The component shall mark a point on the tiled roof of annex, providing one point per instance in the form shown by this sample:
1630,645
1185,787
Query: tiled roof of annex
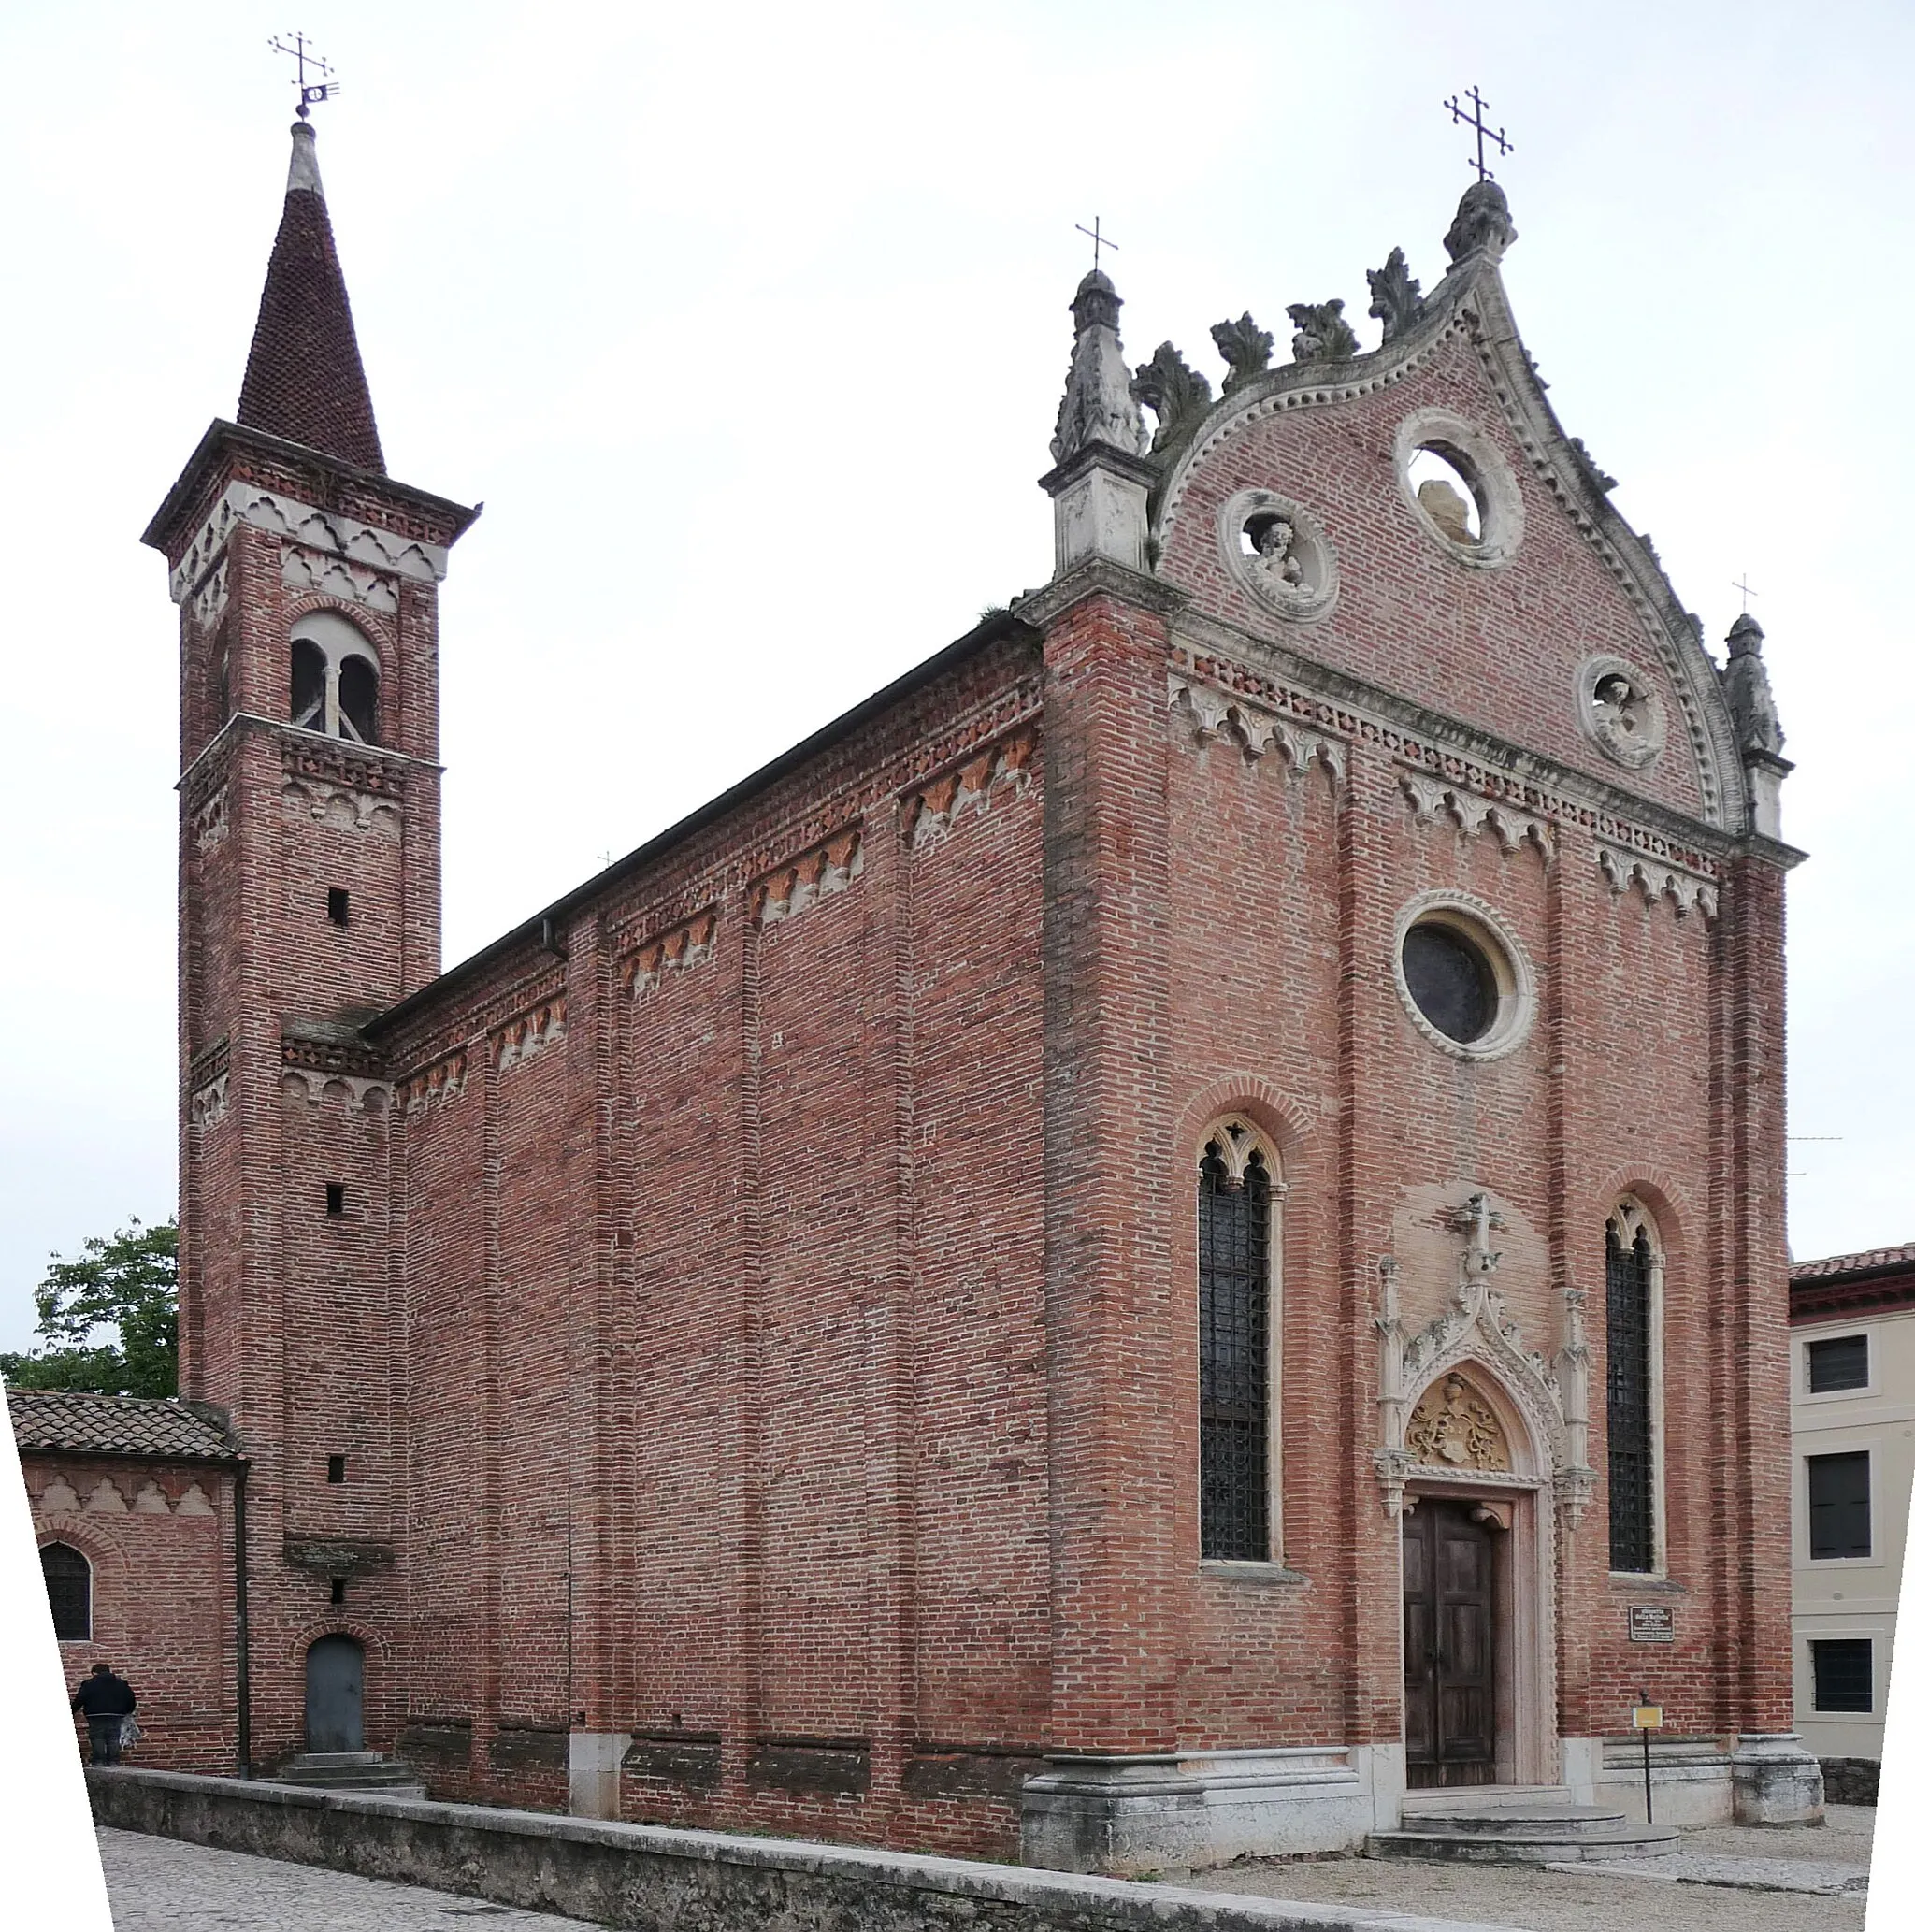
1871,1261
56,1419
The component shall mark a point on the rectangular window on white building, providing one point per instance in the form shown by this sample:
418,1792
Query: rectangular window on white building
1837,1362
1838,1507
1844,1672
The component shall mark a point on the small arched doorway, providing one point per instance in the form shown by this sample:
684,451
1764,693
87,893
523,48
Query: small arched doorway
335,1693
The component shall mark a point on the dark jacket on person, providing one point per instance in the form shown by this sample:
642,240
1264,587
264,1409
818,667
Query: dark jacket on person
105,1697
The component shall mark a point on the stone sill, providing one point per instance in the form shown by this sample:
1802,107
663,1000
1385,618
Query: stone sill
1258,1575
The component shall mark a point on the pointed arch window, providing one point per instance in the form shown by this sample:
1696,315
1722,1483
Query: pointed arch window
1634,1347
69,1579
335,678
1238,1333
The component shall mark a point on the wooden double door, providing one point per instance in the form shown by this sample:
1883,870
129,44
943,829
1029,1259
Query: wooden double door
1448,1645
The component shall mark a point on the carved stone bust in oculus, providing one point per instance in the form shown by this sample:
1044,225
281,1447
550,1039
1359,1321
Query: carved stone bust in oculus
1278,552
1617,708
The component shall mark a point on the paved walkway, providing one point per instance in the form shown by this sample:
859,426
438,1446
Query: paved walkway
163,1885
1725,1879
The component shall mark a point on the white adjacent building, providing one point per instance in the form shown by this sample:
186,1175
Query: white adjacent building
1852,1417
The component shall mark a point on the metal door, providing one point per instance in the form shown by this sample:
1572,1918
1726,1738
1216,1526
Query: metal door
1448,1647
334,1695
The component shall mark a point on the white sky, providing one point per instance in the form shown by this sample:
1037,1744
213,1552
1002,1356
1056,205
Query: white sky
748,324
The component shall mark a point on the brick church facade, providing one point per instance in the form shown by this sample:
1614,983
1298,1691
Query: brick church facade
1170,1228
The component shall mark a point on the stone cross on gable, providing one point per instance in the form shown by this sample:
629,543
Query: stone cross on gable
1484,132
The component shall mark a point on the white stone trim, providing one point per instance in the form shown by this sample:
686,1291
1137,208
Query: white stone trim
317,529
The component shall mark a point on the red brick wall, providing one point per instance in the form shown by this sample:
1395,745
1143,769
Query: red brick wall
162,1594
764,1321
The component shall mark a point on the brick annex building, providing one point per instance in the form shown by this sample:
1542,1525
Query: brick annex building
1173,1227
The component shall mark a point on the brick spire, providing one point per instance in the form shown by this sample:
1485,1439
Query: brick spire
304,379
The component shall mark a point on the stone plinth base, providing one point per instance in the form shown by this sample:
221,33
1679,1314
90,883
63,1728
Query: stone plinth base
1777,1780
1137,1814
592,1775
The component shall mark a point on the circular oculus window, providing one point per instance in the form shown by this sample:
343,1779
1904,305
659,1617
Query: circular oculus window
1459,487
1461,978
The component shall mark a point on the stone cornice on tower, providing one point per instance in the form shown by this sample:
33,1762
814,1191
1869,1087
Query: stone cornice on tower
304,381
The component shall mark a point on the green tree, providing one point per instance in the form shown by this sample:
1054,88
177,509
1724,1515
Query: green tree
109,1318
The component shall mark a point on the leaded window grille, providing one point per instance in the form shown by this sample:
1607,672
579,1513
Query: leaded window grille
1631,1445
1233,1203
70,1592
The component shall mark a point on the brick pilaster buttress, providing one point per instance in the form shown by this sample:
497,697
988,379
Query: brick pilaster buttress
1108,1169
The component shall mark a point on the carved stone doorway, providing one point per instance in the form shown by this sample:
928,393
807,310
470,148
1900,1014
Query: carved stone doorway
1449,1644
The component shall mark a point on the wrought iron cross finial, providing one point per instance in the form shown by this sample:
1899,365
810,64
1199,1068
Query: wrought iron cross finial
1099,240
1484,132
310,92
1743,585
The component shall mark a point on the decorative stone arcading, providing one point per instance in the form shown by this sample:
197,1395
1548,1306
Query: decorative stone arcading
327,531
936,807
210,821
528,1035
1211,669
304,572
692,944
207,1104
1216,716
1432,798
208,603
1657,881
434,1086
822,872
343,809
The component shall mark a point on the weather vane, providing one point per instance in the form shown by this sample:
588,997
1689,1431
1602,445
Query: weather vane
1484,132
310,92
1099,240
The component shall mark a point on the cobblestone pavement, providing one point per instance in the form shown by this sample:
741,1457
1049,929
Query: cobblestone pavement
1586,1900
163,1885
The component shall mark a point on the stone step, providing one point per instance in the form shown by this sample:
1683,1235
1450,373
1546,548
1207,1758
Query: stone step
1517,1821
1448,1799
1544,1842
351,1771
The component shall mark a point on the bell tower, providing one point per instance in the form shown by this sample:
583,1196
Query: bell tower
306,581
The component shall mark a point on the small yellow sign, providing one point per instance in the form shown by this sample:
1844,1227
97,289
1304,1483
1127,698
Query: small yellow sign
1647,1717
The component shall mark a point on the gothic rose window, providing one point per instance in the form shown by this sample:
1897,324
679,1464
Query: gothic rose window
1632,1267
335,678
1233,1297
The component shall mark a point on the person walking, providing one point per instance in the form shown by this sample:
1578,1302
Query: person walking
108,1702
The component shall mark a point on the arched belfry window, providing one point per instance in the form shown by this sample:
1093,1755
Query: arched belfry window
70,1592
335,676
1634,1332
1237,1335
